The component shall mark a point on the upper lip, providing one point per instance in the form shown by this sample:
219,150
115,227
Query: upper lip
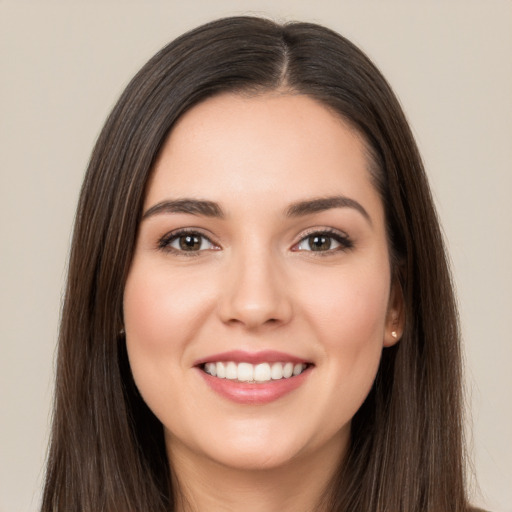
241,356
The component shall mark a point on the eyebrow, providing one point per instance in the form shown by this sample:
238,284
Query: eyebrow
190,206
206,208
320,204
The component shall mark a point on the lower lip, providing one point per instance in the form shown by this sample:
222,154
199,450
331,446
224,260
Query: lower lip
254,394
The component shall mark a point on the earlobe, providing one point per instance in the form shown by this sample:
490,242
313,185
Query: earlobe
395,316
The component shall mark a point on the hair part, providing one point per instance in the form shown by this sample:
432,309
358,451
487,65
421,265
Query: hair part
107,449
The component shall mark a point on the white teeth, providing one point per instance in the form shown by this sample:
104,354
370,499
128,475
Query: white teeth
231,371
276,371
262,372
211,368
221,370
247,372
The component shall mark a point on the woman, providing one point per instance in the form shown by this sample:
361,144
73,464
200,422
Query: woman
259,313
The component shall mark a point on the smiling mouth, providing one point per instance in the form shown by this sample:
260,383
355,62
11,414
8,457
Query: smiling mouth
253,373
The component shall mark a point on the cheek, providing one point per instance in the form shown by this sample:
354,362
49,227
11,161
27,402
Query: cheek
147,327
161,317
349,317
349,307
160,310
355,340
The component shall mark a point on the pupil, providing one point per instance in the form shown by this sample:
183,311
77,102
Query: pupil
190,242
319,243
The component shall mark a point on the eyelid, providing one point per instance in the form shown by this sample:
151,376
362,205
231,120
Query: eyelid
165,241
342,238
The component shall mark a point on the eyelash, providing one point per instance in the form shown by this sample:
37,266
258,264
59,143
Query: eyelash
164,243
344,241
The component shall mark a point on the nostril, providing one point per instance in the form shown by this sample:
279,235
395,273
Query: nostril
254,303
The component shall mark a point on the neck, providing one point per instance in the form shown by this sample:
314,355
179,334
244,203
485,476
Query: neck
301,485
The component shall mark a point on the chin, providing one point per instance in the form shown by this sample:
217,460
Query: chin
256,458
256,445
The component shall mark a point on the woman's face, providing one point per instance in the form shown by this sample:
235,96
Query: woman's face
259,298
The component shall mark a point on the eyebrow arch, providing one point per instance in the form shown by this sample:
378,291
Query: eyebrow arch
213,209
190,206
321,204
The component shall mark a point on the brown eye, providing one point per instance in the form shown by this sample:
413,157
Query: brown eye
324,241
319,242
190,242
186,242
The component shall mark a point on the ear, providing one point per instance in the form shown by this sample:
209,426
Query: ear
395,317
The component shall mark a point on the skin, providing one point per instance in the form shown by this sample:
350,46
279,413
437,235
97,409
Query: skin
256,284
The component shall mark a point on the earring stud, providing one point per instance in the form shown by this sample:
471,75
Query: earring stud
394,334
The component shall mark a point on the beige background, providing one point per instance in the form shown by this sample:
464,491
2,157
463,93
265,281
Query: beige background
62,66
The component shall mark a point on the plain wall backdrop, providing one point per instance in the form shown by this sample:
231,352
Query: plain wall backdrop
63,65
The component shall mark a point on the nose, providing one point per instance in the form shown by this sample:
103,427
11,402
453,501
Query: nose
255,293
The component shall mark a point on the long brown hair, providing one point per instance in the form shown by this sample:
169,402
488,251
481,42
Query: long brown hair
107,449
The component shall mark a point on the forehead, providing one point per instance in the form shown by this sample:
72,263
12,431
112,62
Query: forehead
269,148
